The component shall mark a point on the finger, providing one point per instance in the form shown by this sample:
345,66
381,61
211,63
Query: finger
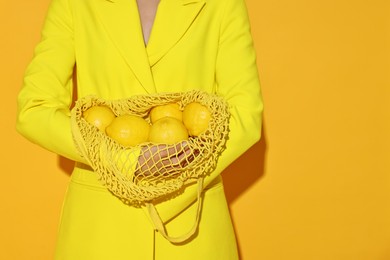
146,165
186,159
162,159
183,158
177,148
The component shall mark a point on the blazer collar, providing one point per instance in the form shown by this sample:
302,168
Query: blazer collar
172,21
122,23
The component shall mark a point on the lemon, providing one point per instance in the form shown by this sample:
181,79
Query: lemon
167,110
128,130
168,130
196,118
99,116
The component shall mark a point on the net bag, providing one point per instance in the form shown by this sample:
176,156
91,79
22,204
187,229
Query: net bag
121,168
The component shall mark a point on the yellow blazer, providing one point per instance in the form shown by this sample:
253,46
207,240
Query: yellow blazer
194,44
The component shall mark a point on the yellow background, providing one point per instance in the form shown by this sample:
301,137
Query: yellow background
316,187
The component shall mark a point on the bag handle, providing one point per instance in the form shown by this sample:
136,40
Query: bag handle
159,225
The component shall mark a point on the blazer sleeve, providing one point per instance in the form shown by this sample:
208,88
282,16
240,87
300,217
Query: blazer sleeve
46,95
238,81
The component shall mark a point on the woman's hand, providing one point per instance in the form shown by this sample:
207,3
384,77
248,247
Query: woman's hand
166,160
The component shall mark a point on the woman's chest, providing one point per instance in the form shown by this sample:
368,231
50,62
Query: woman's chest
147,10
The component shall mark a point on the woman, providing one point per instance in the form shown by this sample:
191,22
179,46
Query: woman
194,44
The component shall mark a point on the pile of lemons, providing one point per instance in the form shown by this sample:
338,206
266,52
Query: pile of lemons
165,124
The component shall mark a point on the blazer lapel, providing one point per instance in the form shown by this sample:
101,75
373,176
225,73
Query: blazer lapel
172,20
122,23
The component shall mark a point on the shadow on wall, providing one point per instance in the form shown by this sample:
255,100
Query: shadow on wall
65,165
245,171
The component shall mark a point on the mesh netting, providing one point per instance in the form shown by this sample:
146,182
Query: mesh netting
121,169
